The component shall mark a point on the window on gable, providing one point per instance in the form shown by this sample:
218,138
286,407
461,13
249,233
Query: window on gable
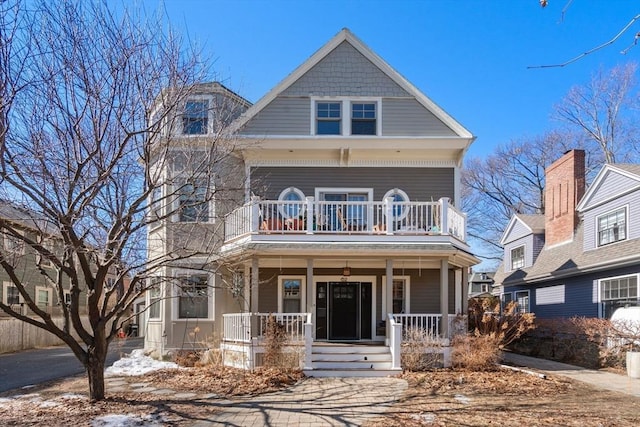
195,118
612,227
328,118
517,257
363,118
192,199
193,300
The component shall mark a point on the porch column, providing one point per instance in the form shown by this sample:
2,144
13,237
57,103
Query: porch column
388,290
465,290
246,292
310,308
458,290
255,270
444,297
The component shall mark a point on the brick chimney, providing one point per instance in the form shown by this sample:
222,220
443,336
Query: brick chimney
565,185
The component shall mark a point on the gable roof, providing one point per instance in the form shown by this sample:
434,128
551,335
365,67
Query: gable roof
569,259
533,222
629,170
345,35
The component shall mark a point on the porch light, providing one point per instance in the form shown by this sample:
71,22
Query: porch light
346,271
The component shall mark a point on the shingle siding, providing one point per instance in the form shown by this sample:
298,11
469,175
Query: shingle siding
345,72
420,184
407,117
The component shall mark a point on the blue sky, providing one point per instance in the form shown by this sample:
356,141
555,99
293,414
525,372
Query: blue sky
469,56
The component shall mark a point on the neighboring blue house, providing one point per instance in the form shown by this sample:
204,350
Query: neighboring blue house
582,258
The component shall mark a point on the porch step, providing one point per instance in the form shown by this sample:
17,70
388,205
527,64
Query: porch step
344,360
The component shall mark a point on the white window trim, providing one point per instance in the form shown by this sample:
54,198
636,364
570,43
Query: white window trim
303,292
626,226
322,190
524,255
160,302
5,293
393,192
176,205
407,292
286,191
49,298
8,240
175,306
345,114
502,305
637,276
210,116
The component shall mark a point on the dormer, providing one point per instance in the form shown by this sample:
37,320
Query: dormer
522,240
611,207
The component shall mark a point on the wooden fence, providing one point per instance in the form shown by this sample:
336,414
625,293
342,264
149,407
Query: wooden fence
16,335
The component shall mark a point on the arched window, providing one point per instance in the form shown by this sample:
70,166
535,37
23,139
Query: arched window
295,207
398,196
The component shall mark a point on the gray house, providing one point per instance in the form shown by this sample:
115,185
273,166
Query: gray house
582,258
348,227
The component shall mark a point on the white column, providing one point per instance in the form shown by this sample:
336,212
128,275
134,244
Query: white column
246,294
465,290
444,297
458,297
309,300
387,307
255,270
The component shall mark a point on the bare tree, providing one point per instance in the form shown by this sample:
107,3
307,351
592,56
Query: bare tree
605,110
89,102
509,181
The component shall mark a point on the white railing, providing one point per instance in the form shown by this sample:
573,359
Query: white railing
395,342
237,327
427,322
456,223
348,217
242,327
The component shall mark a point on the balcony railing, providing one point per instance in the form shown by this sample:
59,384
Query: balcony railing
354,217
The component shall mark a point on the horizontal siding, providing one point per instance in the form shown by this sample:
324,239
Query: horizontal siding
527,241
538,244
518,231
632,201
344,72
283,116
611,185
421,184
407,117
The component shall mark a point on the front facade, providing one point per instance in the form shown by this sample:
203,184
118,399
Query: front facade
582,258
349,221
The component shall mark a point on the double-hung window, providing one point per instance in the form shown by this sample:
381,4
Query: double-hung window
195,118
612,227
328,118
193,200
193,301
363,118
522,298
517,257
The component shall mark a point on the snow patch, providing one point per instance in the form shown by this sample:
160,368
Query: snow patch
128,420
137,364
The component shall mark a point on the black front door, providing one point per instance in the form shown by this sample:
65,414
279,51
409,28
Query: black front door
344,310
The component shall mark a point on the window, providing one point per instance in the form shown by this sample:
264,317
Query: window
398,198
13,244
522,298
398,296
295,208
194,206
193,300
195,117
363,118
328,118
291,294
612,227
155,208
67,297
505,299
619,288
10,294
517,257
43,297
154,299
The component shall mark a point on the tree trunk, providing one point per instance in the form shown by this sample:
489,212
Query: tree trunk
95,372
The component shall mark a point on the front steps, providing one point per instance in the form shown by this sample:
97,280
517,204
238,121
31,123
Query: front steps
350,360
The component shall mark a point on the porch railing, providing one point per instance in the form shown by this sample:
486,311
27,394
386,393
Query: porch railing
346,217
431,323
243,327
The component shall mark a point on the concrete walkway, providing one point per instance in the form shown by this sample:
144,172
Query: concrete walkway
311,402
600,379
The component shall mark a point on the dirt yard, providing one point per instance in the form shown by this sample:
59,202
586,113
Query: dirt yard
439,398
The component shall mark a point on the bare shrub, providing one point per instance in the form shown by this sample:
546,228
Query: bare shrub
477,352
486,319
420,350
188,358
275,337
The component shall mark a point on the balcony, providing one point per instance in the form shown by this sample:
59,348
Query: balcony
329,218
